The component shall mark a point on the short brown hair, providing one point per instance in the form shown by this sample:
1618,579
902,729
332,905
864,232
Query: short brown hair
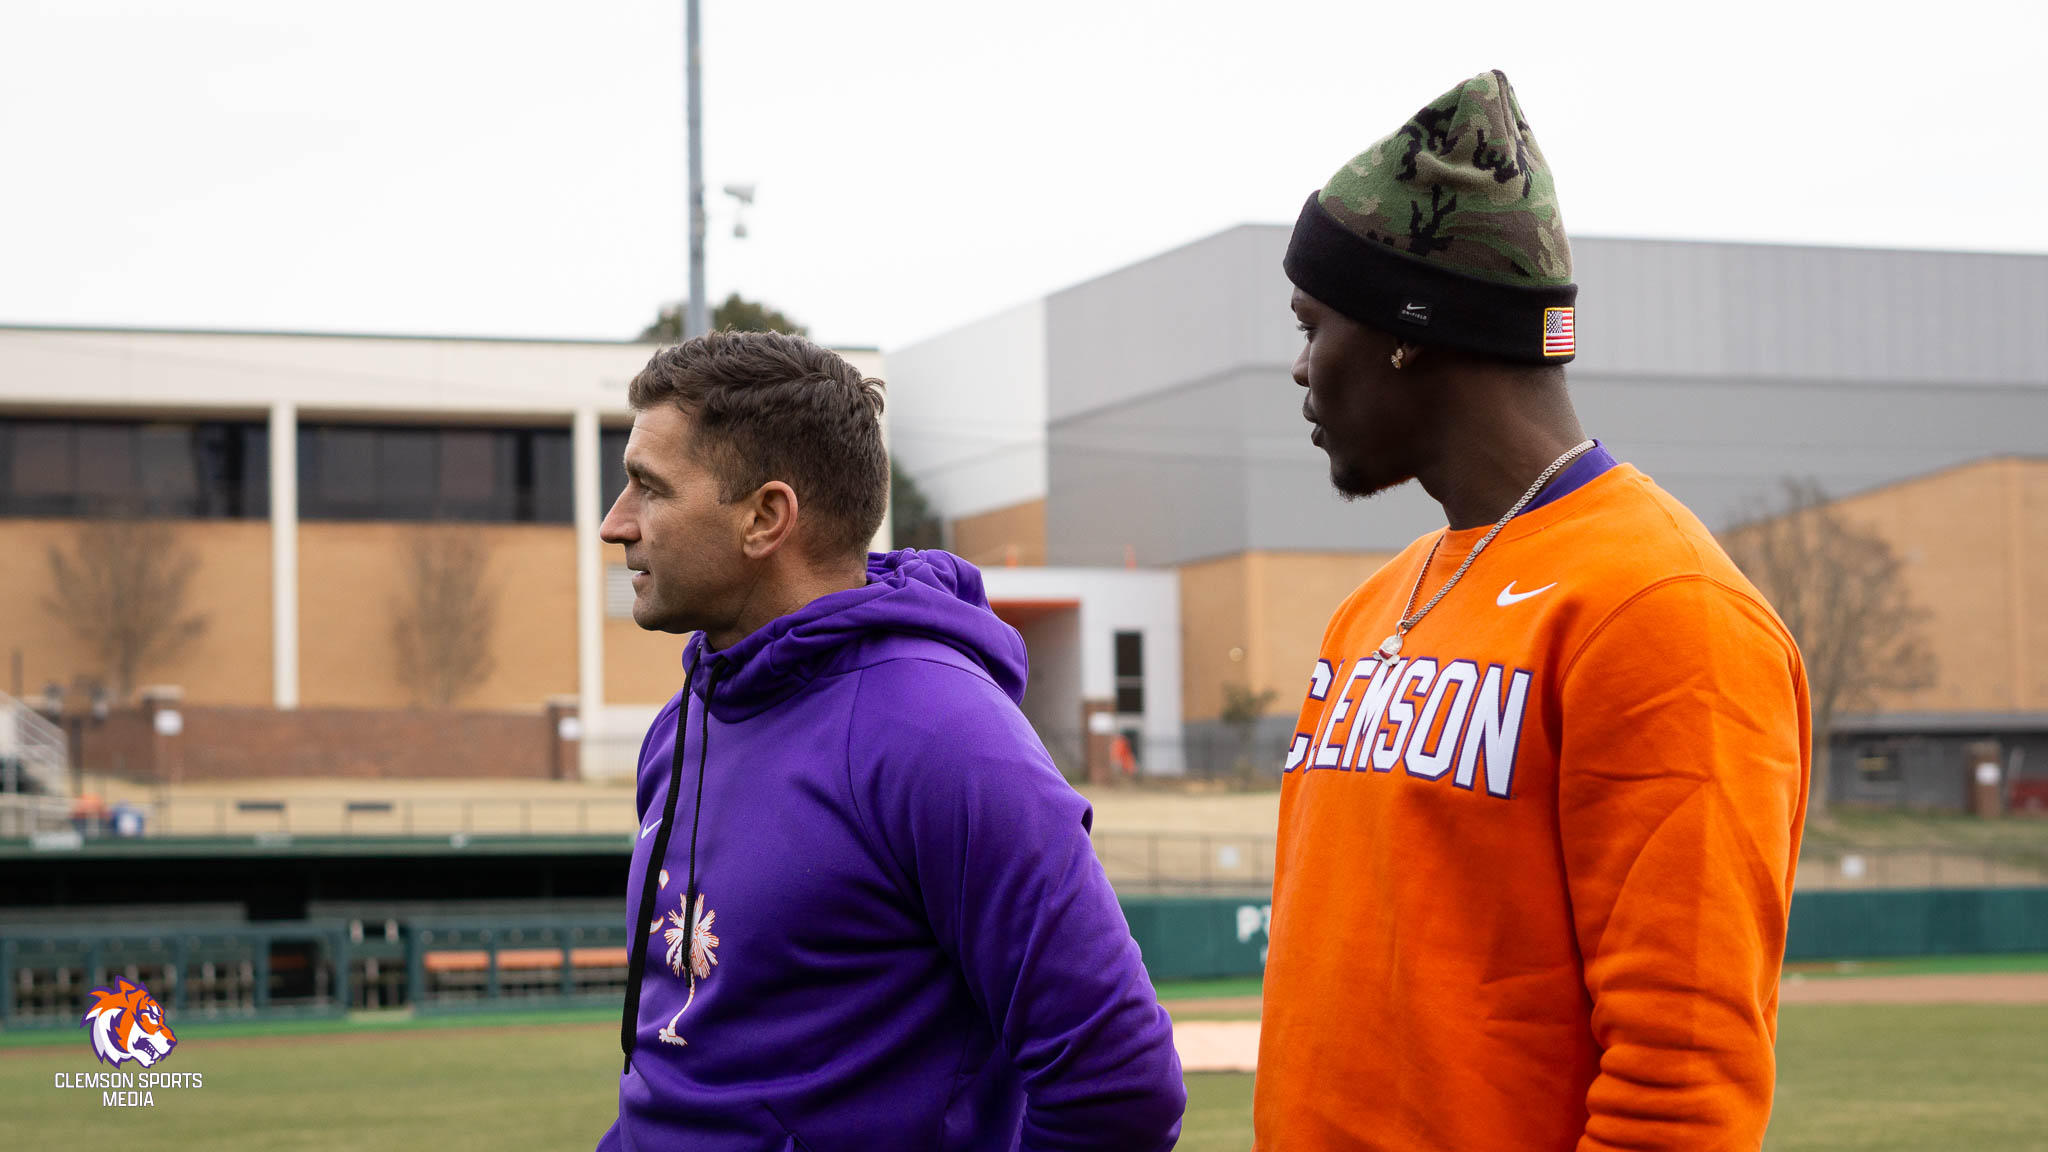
771,406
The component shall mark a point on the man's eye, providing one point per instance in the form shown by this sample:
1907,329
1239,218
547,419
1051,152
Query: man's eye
1304,328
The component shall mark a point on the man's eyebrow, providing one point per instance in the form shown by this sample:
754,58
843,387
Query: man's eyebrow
638,471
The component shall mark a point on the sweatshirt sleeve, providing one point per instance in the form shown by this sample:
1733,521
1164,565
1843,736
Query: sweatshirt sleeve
995,844
1682,786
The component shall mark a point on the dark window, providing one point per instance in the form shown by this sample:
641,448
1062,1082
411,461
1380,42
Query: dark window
231,467
106,462
408,483
1130,672
42,465
1878,764
554,480
469,464
168,468
495,475
611,452
337,472
211,469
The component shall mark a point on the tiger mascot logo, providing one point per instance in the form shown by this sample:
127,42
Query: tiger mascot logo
128,1024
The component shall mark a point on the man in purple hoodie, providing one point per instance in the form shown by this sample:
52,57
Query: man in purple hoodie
867,913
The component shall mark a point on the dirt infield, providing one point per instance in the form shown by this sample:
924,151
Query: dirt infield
1213,1008
1217,1045
1934,988
1221,1045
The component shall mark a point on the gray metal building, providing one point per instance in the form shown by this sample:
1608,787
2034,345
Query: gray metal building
1153,412
1174,426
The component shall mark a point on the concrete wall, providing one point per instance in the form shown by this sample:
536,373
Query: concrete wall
1216,467
1112,601
1192,313
77,369
968,411
1052,699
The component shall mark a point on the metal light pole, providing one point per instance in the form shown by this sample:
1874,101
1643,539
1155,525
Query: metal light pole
696,316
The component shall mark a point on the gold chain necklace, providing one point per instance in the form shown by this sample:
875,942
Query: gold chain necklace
1391,646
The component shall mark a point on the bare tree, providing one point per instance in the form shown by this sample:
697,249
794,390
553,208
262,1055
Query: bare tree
1242,709
446,614
124,589
1838,587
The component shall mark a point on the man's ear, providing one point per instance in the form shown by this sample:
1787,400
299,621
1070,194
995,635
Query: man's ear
771,518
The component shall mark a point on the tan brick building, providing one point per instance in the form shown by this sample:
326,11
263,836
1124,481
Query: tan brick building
300,474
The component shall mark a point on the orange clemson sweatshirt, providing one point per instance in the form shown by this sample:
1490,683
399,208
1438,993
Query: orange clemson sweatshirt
1533,873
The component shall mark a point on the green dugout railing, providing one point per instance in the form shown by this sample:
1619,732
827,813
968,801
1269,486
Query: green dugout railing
1917,922
1196,938
206,970
314,967
1199,937
449,963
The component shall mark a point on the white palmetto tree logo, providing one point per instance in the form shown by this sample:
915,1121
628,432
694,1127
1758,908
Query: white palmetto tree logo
694,930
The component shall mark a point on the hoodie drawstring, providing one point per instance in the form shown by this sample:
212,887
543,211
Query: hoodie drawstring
650,884
697,819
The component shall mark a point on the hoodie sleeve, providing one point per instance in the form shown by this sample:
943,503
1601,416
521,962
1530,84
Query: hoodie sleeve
995,844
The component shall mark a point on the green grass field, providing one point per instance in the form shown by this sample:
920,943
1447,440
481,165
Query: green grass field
1850,1078
1866,1079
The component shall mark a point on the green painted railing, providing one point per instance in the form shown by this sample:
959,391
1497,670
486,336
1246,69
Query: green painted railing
454,963
1917,922
313,967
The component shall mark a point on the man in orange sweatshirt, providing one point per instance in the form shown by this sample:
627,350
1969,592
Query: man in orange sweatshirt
1540,814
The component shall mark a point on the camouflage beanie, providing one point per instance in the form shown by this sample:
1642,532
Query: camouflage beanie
1447,232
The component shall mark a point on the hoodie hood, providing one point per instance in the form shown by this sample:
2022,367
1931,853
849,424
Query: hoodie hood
909,594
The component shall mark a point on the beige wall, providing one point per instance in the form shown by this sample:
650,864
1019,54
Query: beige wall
1005,536
350,580
1215,613
228,664
1271,607
641,667
1974,541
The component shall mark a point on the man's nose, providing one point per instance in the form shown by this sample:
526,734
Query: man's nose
617,528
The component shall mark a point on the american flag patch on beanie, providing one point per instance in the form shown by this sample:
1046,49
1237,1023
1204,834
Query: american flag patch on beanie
1557,332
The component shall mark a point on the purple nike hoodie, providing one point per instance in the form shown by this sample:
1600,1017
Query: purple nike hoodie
915,947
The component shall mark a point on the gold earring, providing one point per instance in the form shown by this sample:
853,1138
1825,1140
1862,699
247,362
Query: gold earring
1397,356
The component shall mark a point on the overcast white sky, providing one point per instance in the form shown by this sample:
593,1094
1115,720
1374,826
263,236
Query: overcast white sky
517,168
